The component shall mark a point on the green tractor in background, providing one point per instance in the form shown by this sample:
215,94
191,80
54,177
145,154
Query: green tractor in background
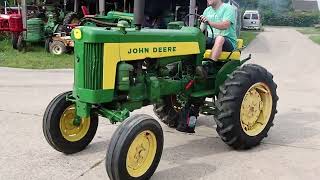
40,21
61,40
121,69
51,23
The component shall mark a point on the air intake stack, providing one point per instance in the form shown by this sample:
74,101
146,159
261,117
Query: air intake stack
139,13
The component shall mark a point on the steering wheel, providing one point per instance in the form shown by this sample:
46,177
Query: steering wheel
207,24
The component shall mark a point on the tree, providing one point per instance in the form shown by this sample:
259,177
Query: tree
245,4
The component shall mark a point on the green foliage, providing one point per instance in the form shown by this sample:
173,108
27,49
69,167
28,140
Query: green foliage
248,36
248,4
297,19
275,6
309,30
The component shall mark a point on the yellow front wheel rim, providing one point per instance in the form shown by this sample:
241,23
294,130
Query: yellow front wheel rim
256,109
70,131
141,153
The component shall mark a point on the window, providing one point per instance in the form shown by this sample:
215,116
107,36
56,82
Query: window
255,16
246,16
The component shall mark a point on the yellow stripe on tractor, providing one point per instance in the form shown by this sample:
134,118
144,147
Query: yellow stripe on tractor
116,52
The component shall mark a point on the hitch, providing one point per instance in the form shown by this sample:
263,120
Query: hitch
246,59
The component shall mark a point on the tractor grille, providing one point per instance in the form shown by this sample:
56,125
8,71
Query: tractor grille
93,66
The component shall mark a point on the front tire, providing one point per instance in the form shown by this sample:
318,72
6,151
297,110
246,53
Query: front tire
59,130
57,48
135,149
246,107
21,44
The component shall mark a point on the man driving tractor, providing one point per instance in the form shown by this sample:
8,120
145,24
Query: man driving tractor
221,17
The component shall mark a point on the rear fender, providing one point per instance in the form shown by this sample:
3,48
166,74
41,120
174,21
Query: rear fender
223,73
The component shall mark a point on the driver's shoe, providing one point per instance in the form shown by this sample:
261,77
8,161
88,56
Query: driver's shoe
201,72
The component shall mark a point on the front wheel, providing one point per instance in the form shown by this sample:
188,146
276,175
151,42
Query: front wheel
57,48
21,44
59,130
135,149
246,107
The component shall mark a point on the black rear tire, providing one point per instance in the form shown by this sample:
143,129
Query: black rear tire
21,44
166,112
14,40
123,138
229,103
69,19
51,126
47,43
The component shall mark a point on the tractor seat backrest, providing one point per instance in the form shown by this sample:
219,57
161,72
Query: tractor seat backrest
226,55
85,10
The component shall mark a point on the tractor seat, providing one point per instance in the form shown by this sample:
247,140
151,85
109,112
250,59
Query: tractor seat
236,54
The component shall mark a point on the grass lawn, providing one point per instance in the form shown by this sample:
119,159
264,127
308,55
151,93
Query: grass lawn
34,58
248,36
315,38
312,33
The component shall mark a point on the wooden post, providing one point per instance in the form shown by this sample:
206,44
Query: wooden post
24,17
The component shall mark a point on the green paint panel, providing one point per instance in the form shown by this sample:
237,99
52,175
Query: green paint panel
115,115
223,73
35,29
169,86
94,96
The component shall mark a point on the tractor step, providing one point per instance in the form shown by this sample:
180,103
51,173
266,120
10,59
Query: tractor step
207,93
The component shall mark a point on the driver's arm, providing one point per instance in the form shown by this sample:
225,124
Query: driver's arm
220,25
226,21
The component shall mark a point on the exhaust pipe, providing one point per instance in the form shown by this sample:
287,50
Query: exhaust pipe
139,13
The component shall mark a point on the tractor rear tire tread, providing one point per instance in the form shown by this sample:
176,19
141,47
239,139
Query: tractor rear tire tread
166,113
14,40
67,20
229,103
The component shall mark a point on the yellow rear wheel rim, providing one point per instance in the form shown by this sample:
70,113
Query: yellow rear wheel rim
70,131
256,109
141,153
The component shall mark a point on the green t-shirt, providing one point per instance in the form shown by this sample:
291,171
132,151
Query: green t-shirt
226,12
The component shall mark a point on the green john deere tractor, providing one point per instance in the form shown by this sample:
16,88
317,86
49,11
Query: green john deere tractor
119,70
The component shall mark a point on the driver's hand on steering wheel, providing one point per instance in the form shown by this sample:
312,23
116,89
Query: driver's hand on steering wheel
203,19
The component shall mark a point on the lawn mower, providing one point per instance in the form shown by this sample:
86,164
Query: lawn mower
121,69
